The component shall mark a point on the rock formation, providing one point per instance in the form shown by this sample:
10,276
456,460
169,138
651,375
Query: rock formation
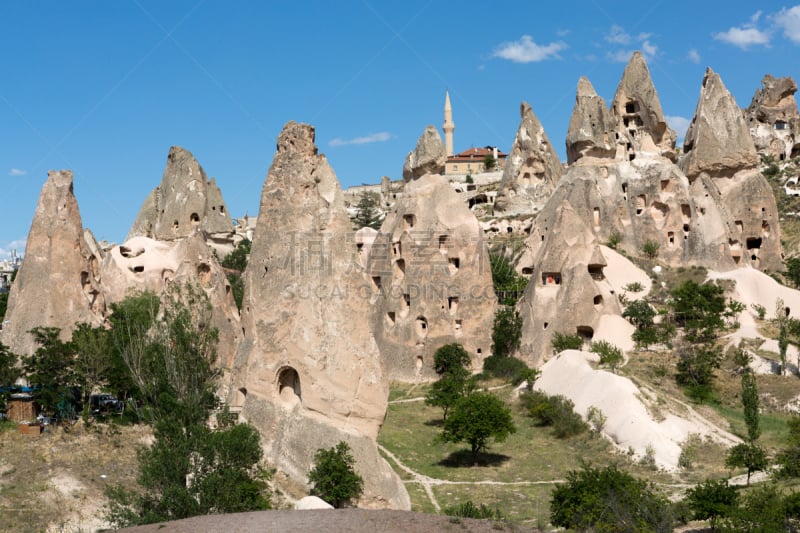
308,373
429,268
185,200
532,168
773,118
592,129
427,158
721,161
638,111
57,284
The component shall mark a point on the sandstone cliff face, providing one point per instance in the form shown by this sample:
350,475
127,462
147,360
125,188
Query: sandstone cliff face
185,200
58,282
427,158
532,168
592,128
773,118
309,373
720,152
432,281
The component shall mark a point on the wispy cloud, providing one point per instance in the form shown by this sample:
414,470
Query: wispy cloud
679,124
789,21
367,139
745,35
17,172
525,50
618,36
693,56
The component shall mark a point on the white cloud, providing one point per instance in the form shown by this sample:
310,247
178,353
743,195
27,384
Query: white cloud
744,36
563,32
618,35
367,139
789,21
694,56
679,124
527,51
649,50
17,172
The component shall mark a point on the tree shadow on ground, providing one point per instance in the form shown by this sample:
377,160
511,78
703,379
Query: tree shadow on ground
463,458
435,422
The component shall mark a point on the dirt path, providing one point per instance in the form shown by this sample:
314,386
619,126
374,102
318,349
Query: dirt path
427,482
422,398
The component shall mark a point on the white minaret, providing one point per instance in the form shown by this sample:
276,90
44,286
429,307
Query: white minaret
448,125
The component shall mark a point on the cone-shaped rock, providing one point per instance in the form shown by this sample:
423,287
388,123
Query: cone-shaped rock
57,284
638,111
532,168
308,373
427,158
592,128
773,118
718,141
184,200
432,280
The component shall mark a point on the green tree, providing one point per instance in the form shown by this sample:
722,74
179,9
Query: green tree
3,306
782,321
563,341
51,368
449,358
234,264
750,405
650,249
639,313
506,332
609,354
793,270
508,285
455,381
700,309
190,468
711,500
9,371
608,500
489,162
557,411
92,362
789,457
367,213
747,455
476,419
333,477
763,510
696,366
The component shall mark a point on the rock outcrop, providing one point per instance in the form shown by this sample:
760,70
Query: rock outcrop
592,128
428,157
721,161
532,168
773,118
58,282
184,201
432,280
638,111
308,373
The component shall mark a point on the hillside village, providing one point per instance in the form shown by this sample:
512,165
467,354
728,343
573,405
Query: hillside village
330,332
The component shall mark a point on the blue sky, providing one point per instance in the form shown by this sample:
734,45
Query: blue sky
104,88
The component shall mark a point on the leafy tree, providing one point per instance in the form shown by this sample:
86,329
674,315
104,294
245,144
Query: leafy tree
449,388
510,368
9,371
563,341
367,212
750,405
783,332
763,510
333,476
190,468
52,369
506,332
789,457
711,500
793,270
747,455
489,162
639,313
609,354
608,500
92,363
475,419
449,358
696,366
700,309
508,285
556,411
234,264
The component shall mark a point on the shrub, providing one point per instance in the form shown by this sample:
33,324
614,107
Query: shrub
650,249
476,419
468,509
609,354
596,418
614,240
506,332
760,310
509,368
556,411
747,455
696,366
333,477
639,313
634,286
562,341
711,500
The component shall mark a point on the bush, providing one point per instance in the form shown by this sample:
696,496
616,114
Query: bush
475,419
650,249
333,477
596,418
509,368
696,366
634,286
609,354
760,310
468,509
614,240
608,500
562,341
506,332
639,313
711,500
556,411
